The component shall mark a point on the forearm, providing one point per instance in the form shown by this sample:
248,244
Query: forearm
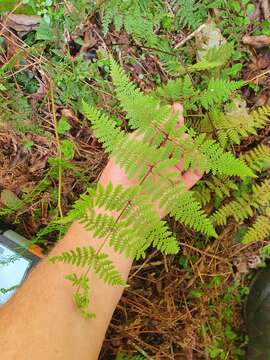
41,318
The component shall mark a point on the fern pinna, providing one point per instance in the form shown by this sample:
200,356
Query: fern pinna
150,156
242,200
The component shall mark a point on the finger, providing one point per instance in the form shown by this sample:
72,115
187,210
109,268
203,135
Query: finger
180,165
190,178
178,108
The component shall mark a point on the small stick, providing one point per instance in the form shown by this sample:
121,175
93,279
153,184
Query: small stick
265,8
190,36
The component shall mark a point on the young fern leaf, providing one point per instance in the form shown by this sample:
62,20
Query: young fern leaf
261,194
81,297
181,90
124,87
202,194
221,186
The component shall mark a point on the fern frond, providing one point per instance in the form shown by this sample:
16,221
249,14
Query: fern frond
190,14
181,90
221,186
81,296
87,256
124,88
105,128
135,157
138,228
141,228
107,17
223,163
162,239
261,194
140,111
257,158
259,230
239,209
202,194
139,108
231,128
235,127
215,57
172,65
218,91
189,212
244,206
261,116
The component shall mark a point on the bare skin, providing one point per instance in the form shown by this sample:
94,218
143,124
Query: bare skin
41,322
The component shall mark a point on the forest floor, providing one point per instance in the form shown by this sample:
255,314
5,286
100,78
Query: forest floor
188,306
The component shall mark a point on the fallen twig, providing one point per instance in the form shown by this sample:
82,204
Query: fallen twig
190,36
257,42
265,8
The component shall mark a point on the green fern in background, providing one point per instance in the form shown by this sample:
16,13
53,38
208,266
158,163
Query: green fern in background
252,202
189,13
210,98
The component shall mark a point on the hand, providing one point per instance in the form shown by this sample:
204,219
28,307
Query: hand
114,174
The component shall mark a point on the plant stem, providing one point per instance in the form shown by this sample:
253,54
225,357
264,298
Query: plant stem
59,153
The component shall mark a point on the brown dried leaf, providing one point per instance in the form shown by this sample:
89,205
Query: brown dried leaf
39,164
22,24
257,42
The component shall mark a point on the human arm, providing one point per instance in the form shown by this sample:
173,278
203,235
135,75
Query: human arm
41,322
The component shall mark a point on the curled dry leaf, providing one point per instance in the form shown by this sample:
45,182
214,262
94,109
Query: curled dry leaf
257,42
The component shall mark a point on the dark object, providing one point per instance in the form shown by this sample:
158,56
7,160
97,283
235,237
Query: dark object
257,314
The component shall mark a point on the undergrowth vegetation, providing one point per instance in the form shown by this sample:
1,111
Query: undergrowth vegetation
88,75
